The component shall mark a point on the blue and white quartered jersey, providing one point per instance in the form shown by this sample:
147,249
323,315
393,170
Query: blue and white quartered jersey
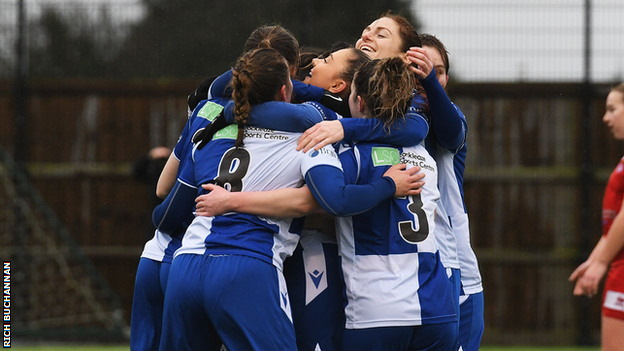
390,258
268,161
445,236
450,178
445,233
447,144
162,246
326,182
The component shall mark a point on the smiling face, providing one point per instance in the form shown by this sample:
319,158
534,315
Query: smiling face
326,72
614,115
381,39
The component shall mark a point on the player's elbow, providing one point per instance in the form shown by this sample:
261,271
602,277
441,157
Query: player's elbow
337,207
307,207
161,193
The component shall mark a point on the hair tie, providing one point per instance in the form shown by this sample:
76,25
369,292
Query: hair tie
266,43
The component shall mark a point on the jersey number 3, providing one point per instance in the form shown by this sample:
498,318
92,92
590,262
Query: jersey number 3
406,228
232,168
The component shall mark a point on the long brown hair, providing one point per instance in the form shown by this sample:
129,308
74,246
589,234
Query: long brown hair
278,38
386,87
409,35
409,38
258,77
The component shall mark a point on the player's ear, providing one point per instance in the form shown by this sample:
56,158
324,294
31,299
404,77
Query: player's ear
361,104
337,86
283,93
405,58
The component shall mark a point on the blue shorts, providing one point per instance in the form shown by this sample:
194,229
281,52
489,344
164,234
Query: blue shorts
236,300
315,286
147,304
429,337
471,323
455,279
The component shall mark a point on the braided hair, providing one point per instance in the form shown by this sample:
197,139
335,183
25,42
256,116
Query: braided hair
258,77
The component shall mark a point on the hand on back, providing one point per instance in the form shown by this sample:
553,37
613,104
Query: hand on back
407,181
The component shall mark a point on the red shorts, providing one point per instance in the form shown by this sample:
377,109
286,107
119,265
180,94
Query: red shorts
613,297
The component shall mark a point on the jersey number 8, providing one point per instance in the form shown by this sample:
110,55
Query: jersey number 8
232,168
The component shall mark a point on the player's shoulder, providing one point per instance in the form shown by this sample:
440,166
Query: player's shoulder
200,93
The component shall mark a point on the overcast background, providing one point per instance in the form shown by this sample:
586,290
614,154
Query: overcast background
531,40
488,40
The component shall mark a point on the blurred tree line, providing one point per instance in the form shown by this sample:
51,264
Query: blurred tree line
184,38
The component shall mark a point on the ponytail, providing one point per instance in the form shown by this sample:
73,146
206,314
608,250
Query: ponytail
258,76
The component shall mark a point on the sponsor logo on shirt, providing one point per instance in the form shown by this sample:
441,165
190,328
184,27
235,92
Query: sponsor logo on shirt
385,156
323,151
263,133
210,111
414,159
229,132
316,277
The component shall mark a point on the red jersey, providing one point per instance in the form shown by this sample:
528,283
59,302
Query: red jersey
612,202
